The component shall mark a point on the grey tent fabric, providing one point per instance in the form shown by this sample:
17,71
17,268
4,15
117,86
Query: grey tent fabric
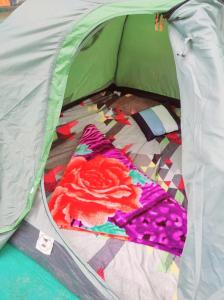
28,55
5,237
31,44
197,36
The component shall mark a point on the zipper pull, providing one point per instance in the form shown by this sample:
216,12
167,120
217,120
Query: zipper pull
157,17
161,23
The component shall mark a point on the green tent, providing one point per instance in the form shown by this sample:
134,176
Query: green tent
55,52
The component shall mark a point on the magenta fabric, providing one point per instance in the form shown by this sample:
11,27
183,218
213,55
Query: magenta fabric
130,201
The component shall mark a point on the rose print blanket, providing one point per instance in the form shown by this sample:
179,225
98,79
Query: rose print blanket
103,192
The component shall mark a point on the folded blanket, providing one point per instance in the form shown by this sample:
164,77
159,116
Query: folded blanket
103,192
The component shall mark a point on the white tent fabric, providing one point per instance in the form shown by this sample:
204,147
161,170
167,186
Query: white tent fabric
197,36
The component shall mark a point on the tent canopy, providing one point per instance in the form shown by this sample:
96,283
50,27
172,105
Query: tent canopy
39,48
50,56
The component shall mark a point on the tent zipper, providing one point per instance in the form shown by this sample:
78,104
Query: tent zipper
159,22
169,13
160,17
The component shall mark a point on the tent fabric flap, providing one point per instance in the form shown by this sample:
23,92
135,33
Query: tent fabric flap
196,33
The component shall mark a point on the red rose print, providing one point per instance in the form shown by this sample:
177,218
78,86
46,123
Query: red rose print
93,190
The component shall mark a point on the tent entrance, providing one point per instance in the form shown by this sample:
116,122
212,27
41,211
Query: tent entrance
84,113
113,57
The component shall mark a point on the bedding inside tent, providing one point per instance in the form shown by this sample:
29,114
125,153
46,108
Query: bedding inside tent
116,261
93,61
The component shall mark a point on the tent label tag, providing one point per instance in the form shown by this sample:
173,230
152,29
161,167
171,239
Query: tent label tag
45,243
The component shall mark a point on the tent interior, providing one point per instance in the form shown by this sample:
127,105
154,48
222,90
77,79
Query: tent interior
126,51
123,54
